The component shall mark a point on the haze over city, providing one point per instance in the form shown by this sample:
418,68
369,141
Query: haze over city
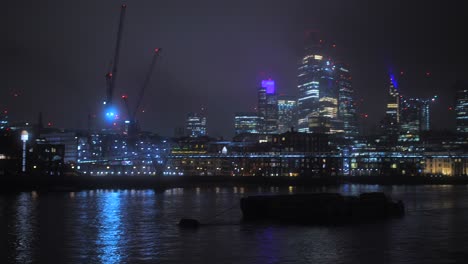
55,55
260,131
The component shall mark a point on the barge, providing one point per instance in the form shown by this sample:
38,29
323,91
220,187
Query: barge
320,208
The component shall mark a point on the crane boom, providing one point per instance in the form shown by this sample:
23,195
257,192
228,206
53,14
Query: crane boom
111,76
146,82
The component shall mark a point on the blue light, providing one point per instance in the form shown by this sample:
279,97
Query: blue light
393,80
111,114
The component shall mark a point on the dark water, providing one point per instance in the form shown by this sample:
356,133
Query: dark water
140,227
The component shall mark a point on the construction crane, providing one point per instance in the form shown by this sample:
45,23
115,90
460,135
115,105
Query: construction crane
111,76
132,122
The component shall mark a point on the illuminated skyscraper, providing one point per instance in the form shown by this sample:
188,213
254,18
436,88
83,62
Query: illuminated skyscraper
3,120
286,114
461,107
310,71
391,121
346,105
328,121
268,107
426,115
410,119
195,125
318,90
414,117
247,123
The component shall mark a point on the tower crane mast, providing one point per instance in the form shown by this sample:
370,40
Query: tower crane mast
133,126
146,82
111,76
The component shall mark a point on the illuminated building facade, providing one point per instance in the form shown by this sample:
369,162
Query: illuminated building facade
328,121
346,105
461,107
195,125
288,154
305,154
247,123
318,101
101,154
414,117
411,118
3,120
310,72
70,142
426,115
268,107
391,121
286,113
446,165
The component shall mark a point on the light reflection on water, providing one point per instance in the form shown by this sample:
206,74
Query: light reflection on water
25,227
110,228
134,226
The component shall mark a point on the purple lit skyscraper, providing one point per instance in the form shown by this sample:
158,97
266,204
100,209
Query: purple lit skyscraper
269,85
268,107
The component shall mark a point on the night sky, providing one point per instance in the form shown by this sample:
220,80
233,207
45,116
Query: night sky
54,55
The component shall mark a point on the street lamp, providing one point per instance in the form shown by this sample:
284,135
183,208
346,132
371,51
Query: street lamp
24,138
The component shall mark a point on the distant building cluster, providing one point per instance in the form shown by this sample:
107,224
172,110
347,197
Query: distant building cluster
325,101
315,133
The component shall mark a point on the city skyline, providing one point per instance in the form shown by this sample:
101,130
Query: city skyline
63,77
209,131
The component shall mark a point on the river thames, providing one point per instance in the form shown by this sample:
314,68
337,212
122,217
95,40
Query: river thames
140,226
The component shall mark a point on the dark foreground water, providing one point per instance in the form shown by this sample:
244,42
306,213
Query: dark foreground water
140,227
